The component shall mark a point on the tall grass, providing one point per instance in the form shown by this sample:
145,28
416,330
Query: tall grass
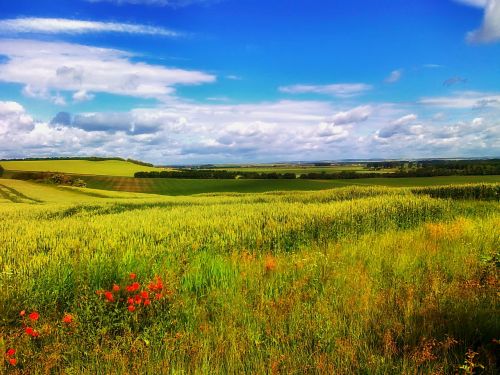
356,280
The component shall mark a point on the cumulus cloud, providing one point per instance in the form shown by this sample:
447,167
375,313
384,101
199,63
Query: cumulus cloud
343,90
187,132
395,76
46,66
69,26
489,31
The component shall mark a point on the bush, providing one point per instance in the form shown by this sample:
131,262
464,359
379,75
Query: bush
1,171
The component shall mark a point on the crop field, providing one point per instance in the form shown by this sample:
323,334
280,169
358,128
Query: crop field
106,167
172,186
304,169
359,279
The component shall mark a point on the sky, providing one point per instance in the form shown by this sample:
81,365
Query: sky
234,81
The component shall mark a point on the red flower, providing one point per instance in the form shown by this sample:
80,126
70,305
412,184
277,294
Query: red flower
131,308
29,331
35,333
130,301
132,276
13,361
116,288
22,313
68,318
109,296
147,302
133,287
144,294
10,352
34,316
156,287
158,296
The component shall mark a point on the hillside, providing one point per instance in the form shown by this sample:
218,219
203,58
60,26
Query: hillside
86,167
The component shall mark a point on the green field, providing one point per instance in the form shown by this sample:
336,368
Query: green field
106,167
172,186
303,169
361,279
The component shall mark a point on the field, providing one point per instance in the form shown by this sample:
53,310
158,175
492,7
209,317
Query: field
172,186
297,169
106,167
360,279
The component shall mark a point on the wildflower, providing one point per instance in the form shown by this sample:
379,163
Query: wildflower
130,301
29,331
147,302
10,352
132,276
131,308
109,296
35,333
22,313
34,316
12,361
158,296
116,288
133,287
144,294
68,318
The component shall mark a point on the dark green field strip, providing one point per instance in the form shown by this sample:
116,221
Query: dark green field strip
171,186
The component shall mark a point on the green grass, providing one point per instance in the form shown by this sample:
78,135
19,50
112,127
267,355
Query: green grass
362,279
189,187
107,167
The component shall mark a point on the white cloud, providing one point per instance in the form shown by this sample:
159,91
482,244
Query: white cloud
395,76
490,28
82,96
46,66
69,26
464,100
187,132
338,89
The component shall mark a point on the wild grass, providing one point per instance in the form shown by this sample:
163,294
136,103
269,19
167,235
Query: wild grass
353,280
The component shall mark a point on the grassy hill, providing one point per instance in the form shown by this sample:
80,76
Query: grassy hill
104,168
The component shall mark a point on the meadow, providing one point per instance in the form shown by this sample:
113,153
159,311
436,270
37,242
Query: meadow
357,279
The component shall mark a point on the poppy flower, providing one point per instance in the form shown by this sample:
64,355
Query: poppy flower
130,301
12,361
147,302
34,316
131,308
116,288
132,276
144,294
133,287
35,333
158,296
109,296
22,313
10,352
29,331
68,318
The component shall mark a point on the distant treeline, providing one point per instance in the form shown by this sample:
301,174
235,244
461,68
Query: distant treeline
425,169
87,158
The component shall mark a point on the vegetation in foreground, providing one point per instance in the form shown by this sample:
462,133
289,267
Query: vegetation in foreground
352,280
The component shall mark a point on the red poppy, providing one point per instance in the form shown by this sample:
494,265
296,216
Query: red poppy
130,301
147,302
22,313
144,294
34,316
10,352
29,331
35,333
131,308
158,296
156,287
109,296
132,276
133,287
68,318
13,361
116,288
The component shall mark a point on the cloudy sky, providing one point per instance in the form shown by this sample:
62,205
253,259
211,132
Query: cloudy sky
207,81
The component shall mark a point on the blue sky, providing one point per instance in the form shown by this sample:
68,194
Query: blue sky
197,81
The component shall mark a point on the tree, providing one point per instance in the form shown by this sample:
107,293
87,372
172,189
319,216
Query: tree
1,171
